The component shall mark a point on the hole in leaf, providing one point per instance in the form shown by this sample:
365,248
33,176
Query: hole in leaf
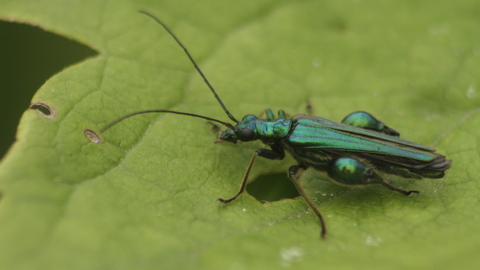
272,187
28,57
92,136
44,110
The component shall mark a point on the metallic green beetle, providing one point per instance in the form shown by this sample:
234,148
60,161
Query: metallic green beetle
351,152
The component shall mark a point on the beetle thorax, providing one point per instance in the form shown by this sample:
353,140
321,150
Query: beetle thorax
251,128
269,131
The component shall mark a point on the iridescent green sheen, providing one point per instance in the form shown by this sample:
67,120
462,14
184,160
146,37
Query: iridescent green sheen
351,152
268,131
315,122
350,171
312,133
365,120
315,142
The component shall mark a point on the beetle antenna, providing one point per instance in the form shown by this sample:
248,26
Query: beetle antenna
228,125
193,62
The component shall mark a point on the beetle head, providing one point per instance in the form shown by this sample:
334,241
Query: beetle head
245,131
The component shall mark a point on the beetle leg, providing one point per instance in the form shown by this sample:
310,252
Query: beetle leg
351,171
367,121
268,114
292,172
401,191
277,152
283,115
309,107
244,182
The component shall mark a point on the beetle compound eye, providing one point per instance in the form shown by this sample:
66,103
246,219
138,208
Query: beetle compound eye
245,135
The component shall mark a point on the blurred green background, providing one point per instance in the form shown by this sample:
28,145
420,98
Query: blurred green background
29,56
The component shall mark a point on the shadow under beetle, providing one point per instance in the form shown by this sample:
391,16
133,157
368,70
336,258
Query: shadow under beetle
351,152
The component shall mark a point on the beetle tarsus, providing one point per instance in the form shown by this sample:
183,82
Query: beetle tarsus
401,191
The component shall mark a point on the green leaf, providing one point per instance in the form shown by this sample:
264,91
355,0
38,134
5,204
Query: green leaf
144,198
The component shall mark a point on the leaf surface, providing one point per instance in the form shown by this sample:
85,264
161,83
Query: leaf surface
145,197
